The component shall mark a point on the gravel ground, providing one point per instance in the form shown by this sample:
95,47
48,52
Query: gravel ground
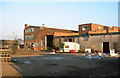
67,65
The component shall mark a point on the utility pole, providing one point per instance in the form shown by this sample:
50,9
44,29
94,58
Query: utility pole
16,37
13,36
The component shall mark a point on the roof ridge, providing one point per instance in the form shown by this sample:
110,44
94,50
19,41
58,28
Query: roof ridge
60,29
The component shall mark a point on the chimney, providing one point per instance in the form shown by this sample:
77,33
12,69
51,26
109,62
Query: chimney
43,25
26,25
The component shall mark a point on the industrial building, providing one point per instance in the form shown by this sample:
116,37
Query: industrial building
43,37
94,36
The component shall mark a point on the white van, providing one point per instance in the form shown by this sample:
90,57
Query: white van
68,46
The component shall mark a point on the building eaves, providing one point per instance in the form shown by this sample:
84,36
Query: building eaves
35,26
82,35
60,30
86,24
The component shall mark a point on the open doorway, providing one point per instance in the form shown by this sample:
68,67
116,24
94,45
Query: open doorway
50,41
70,39
106,47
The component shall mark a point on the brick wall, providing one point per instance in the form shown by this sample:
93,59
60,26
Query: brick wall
95,42
113,29
42,33
81,27
35,33
96,28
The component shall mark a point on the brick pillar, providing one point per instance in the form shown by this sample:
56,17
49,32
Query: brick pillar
102,48
60,40
73,39
65,39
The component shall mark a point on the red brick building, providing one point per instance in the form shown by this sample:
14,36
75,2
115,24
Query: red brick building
96,28
43,37
94,36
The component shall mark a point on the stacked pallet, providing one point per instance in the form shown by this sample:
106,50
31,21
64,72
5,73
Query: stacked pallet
5,56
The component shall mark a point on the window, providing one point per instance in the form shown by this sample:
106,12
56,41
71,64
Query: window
77,40
38,45
29,37
32,29
26,44
66,46
70,39
32,44
84,28
42,42
57,42
63,39
85,38
61,45
29,30
99,27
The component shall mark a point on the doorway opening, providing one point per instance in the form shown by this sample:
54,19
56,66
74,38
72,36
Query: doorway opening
106,47
50,41
70,40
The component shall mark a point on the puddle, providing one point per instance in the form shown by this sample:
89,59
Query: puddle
54,58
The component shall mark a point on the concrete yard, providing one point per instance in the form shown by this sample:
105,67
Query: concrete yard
65,64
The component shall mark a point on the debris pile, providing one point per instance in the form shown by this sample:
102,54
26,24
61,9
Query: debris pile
27,62
52,52
90,56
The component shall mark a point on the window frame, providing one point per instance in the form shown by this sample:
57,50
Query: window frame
84,28
29,37
29,30
99,27
66,46
42,42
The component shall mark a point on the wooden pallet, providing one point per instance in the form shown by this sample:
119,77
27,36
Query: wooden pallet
5,56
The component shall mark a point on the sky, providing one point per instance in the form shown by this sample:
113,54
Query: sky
62,15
